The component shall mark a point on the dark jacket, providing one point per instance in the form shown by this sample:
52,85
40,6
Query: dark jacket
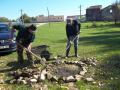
76,27
24,37
73,30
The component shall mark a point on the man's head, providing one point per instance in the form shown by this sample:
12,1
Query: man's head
69,20
32,28
17,27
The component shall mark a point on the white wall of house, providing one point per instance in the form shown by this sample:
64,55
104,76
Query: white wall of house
51,18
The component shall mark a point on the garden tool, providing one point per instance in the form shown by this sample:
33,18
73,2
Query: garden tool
29,51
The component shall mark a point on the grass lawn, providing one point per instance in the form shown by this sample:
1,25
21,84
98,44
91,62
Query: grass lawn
101,42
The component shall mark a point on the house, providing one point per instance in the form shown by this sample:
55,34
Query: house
74,16
109,13
51,18
93,13
116,11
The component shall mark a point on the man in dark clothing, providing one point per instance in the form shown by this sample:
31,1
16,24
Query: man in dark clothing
25,37
72,31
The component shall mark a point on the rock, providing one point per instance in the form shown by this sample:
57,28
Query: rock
101,84
94,82
78,77
26,79
36,76
55,57
43,74
81,63
26,74
93,63
19,72
49,76
64,79
54,78
33,80
12,73
82,73
2,81
72,62
19,80
69,62
64,87
84,69
14,81
43,61
42,77
75,62
57,62
89,79
24,82
70,79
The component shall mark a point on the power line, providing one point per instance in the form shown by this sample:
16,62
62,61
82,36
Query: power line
22,19
48,16
80,11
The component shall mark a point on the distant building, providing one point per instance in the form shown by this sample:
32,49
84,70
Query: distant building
109,13
93,13
116,11
74,16
40,18
51,18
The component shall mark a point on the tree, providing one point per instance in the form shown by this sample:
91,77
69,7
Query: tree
33,19
13,20
26,18
4,19
116,12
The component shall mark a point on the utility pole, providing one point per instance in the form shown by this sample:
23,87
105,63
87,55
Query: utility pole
80,11
22,19
48,16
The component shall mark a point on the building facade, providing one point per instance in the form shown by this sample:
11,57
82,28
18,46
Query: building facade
93,13
109,13
51,18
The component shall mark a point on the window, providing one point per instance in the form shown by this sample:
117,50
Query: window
3,29
110,10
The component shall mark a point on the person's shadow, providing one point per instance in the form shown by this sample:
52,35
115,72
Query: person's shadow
13,66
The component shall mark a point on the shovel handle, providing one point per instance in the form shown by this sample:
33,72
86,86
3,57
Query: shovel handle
29,51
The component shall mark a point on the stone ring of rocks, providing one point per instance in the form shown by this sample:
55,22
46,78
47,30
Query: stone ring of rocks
57,71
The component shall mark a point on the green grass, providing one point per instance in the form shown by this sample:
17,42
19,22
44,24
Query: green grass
101,41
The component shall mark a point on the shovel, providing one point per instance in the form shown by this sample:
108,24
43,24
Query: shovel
29,51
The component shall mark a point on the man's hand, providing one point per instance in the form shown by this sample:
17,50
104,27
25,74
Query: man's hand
29,47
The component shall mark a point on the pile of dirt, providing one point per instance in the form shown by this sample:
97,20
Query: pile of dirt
42,51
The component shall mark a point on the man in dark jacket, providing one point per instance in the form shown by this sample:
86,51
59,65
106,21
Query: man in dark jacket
24,38
72,31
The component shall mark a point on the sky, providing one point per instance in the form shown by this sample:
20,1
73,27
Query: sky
12,8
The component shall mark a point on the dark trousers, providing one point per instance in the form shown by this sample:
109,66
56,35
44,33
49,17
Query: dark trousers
20,54
75,40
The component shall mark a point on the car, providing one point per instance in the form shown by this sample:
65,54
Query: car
7,39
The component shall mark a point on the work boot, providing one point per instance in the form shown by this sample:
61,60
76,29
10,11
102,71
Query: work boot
76,52
20,58
20,55
67,52
29,57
